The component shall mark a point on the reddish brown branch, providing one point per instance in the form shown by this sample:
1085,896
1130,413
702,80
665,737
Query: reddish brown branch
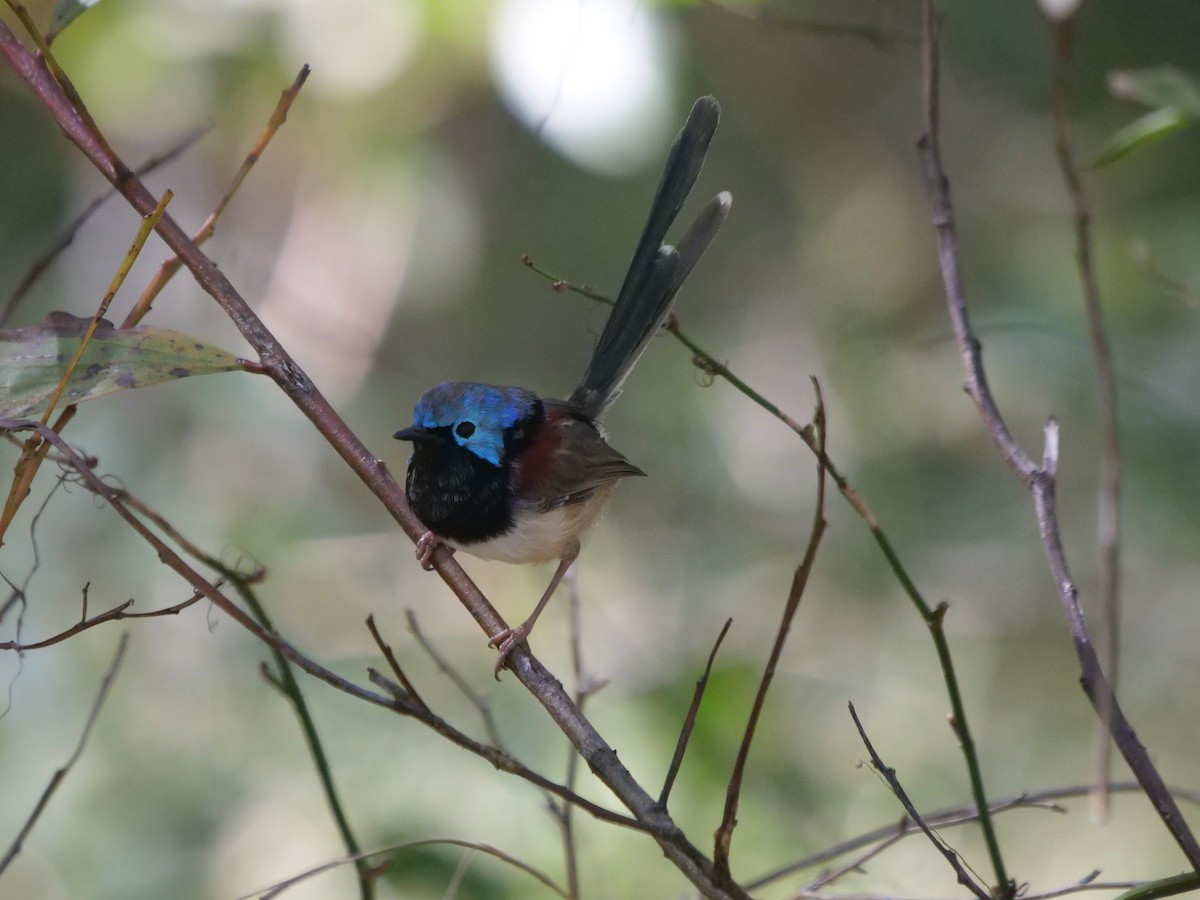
689,721
724,833
115,614
295,383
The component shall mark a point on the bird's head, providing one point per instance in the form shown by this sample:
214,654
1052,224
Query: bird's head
484,420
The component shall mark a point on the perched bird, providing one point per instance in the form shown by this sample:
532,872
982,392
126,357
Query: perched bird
507,475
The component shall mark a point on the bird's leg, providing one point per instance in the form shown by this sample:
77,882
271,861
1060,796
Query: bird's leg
427,545
507,639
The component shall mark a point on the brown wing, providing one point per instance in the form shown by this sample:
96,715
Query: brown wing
568,461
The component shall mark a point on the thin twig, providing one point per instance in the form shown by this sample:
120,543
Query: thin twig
1164,887
394,664
60,774
116,614
481,702
1108,509
724,834
564,812
949,817
854,865
689,721
404,705
1039,480
279,887
889,775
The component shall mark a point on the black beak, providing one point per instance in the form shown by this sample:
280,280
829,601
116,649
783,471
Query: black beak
416,434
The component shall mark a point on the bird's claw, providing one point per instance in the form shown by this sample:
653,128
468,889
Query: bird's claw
505,642
427,545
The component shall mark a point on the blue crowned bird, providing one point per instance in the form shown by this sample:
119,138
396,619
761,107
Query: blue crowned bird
505,474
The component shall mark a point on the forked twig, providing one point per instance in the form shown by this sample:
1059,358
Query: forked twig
951,816
394,664
478,700
115,614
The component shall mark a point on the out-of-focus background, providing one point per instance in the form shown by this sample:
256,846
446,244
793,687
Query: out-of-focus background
380,238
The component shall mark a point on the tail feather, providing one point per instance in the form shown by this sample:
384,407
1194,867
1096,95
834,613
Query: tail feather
657,271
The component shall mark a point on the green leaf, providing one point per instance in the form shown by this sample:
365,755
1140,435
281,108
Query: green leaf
32,361
1161,86
66,12
1151,127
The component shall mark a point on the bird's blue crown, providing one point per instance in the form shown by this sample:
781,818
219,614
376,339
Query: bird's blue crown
478,415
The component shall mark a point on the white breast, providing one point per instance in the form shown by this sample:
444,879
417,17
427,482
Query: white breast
542,536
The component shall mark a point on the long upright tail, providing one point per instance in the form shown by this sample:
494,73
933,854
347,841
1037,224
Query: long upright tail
658,270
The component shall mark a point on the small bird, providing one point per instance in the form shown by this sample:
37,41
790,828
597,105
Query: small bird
507,475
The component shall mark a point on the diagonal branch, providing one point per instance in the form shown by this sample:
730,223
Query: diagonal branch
278,364
889,775
689,721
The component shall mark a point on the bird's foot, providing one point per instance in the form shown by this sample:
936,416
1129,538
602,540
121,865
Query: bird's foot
506,641
427,545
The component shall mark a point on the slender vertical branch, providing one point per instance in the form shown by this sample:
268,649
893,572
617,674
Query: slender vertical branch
1108,515
724,833
1040,481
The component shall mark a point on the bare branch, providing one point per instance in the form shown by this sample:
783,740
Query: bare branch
724,834
689,721
1040,481
952,816
889,775
279,887
116,614
1108,511
478,700
386,650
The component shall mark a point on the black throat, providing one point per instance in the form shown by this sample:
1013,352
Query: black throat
456,494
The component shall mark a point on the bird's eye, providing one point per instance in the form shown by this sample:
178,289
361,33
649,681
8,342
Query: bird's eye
464,429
